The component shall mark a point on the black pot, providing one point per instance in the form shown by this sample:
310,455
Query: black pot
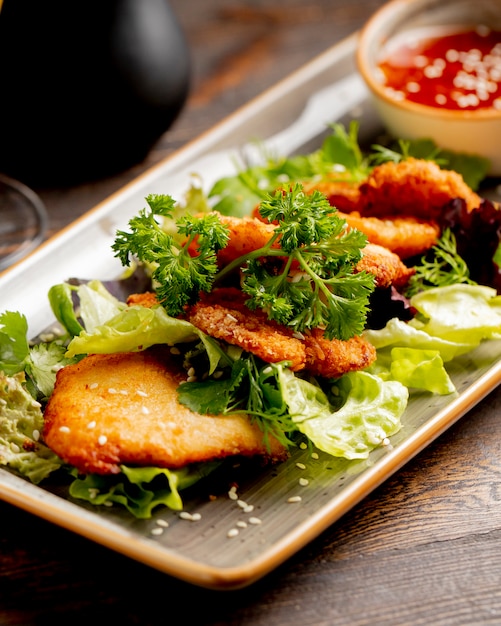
87,87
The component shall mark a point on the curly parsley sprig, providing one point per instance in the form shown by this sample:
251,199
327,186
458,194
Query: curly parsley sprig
317,286
303,277
178,274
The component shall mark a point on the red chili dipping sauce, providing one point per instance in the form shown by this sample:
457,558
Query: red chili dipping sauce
458,71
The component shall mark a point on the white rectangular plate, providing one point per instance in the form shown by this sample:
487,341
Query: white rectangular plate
292,116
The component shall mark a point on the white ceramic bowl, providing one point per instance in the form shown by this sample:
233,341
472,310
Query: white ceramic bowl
472,131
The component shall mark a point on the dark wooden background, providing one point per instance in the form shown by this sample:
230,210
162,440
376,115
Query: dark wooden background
424,549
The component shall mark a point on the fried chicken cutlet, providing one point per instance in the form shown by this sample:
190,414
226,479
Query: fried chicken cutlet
251,233
114,409
224,315
412,187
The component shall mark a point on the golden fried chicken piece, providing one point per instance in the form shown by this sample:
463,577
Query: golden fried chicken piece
332,358
223,315
147,299
114,409
343,195
386,267
246,234
405,236
413,187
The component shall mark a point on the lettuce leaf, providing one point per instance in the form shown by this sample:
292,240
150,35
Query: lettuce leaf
370,412
140,489
459,313
21,422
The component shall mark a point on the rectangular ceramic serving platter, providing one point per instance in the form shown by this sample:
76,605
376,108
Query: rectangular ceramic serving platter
291,117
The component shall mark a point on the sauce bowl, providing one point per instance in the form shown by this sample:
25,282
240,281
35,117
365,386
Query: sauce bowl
470,128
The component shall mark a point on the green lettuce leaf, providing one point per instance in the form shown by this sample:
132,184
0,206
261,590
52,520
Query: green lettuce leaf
399,333
140,489
370,412
21,422
460,313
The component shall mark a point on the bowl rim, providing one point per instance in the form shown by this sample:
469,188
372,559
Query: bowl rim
371,32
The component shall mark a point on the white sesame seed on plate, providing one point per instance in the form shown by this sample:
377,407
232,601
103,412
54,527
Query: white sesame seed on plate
233,532
304,482
301,466
255,521
293,499
157,531
162,522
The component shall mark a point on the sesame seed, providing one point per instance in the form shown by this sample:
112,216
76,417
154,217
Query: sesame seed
255,521
231,318
91,424
242,524
102,439
191,517
175,350
314,455
141,393
249,508
217,374
145,410
232,493
14,447
64,429
302,445
162,522
93,493
157,531
304,482
112,390
242,504
191,372
294,499
233,532
36,435
301,466
191,379
93,386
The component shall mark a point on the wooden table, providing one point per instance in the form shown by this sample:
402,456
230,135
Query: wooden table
424,549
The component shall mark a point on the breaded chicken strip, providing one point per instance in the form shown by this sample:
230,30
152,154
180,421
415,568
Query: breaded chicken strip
343,195
386,267
114,409
247,234
413,187
332,358
223,315
405,236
